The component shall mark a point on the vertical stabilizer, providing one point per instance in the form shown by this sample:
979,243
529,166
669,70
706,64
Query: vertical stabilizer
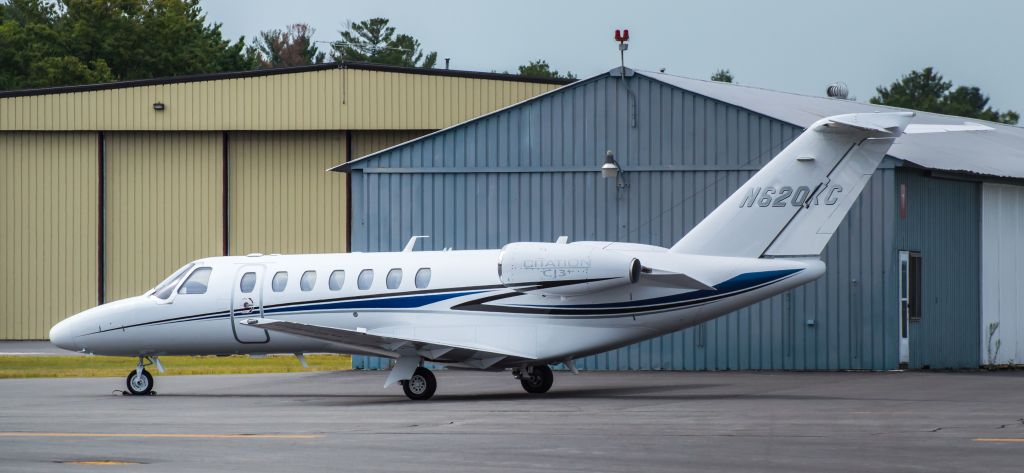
793,205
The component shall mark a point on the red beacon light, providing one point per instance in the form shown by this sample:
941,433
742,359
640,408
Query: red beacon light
621,35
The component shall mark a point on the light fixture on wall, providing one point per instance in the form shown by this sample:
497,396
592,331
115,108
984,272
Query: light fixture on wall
159,106
611,170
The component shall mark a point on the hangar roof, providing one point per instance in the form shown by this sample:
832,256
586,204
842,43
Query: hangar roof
999,152
333,96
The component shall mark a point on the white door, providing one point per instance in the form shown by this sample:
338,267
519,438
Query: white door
247,303
910,299
904,321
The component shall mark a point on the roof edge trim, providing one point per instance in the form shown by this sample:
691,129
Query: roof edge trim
363,66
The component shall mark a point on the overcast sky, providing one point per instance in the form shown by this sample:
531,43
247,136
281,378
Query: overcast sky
796,45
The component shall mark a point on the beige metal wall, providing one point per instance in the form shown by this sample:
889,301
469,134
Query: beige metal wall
163,206
281,199
333,99
366,142
48,238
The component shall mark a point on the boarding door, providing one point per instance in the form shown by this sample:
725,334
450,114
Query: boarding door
247,303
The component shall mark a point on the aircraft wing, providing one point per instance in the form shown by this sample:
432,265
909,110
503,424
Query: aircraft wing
392,346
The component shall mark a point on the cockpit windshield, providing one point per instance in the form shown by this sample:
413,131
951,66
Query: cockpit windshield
166,287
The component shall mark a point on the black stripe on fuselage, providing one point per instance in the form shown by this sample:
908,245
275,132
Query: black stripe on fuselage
481,305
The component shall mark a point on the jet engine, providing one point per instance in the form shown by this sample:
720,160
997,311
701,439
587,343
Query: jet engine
559,269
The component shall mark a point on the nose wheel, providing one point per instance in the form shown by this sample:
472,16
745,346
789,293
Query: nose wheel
535,379
421,385
140,383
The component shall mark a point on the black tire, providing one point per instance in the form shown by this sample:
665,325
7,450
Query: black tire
538,381
140,386
421,385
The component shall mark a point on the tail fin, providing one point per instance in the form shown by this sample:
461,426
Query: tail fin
793,205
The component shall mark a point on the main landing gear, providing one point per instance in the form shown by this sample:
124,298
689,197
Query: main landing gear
535,379
421,385
139,381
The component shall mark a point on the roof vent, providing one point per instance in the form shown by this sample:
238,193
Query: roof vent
838,90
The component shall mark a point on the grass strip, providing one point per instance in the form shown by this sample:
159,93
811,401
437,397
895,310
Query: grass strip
107,366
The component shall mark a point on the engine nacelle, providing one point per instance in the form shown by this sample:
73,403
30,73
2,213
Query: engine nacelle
559,269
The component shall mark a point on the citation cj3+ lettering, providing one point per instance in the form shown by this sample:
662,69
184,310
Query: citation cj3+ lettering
520,308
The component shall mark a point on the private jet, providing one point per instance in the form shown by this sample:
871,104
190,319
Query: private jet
520,308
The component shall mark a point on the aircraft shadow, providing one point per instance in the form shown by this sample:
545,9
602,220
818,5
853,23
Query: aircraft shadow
673,392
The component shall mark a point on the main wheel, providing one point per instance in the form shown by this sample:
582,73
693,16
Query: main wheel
140,385
421,385
537,380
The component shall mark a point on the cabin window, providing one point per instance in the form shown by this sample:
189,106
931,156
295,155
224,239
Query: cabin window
336,280
279,282
166,287
365,279
248,283
307,281
422,278
394,278
197,282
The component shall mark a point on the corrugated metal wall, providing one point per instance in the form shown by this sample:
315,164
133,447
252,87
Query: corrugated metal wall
163,206
531,173
281,199
48,240
331,99
943,224
1002,274
366,142
164,189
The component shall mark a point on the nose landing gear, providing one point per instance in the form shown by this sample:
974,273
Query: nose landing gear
139,381
535,379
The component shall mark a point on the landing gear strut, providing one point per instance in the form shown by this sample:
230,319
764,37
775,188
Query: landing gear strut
139,381
535,379
421,385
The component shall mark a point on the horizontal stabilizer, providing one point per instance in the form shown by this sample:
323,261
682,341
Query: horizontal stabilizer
921,128
660,277
881,123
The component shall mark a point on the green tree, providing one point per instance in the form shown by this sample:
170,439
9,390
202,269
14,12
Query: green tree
374,41
292,46
45,43
722,75
541,68
926,90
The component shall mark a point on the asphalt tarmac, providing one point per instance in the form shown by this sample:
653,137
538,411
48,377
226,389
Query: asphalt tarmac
481,422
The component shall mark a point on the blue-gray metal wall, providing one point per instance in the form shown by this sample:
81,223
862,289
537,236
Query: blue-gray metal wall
943,223
529,173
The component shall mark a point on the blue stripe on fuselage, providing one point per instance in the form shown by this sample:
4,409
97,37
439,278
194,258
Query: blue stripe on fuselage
406,302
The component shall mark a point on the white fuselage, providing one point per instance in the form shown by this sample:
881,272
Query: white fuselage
462,304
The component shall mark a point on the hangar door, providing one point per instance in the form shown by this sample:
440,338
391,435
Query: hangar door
48,239
281,199
1002,274
163,206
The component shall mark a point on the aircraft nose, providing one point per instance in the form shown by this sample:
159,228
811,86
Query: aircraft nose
63,335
